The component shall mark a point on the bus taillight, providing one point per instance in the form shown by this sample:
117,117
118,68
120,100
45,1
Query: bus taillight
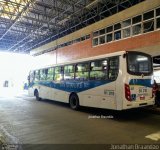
127,92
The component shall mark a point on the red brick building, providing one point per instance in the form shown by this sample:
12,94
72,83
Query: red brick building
134,29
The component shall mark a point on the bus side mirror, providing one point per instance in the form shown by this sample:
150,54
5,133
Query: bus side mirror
124,55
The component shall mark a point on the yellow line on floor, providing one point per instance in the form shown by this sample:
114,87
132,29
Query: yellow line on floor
154,136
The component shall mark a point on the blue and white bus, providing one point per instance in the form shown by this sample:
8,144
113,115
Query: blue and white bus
118,81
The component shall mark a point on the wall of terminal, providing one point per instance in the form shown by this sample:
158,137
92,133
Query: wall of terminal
133,28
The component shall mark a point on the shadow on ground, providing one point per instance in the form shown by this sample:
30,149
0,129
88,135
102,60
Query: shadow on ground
125,115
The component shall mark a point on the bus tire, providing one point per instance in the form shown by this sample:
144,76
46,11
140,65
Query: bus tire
74,101
36,94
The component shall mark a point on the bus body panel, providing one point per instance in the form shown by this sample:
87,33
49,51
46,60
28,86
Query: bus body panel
104,99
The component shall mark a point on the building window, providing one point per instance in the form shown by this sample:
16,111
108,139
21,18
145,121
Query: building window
157,18
95,41
136,29
137,19
148,15
102,31
78,40
158,23
87,36
126,28
126,32
109,37
136,25
126,23
117,35
117,26
69,43
65,44
109,29
117,31
158,12
148,26
83,38
102,40
96,33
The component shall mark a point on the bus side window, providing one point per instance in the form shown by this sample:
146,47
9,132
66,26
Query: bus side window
68,72
59,72
43,74
82,71
50,74
36,76
113,68
98,70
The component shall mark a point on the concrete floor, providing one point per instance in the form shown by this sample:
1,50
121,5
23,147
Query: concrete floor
27,121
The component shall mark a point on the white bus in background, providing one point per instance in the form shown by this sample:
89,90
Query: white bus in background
118,81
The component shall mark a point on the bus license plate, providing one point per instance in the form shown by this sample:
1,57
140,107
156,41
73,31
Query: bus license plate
142,90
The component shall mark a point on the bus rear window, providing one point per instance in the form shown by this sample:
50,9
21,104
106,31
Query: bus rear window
139,63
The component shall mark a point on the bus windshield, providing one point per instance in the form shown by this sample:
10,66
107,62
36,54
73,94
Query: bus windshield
139,63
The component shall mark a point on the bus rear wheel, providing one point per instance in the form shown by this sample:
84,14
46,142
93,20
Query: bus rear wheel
74,102
36,94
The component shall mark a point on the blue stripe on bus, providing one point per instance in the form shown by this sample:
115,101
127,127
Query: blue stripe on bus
142,82
70,86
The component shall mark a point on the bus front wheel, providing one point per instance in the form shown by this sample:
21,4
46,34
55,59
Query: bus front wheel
74,102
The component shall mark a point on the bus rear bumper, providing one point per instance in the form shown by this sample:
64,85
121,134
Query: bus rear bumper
139,104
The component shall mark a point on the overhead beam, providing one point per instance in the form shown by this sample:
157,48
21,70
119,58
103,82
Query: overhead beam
17,18
56,16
